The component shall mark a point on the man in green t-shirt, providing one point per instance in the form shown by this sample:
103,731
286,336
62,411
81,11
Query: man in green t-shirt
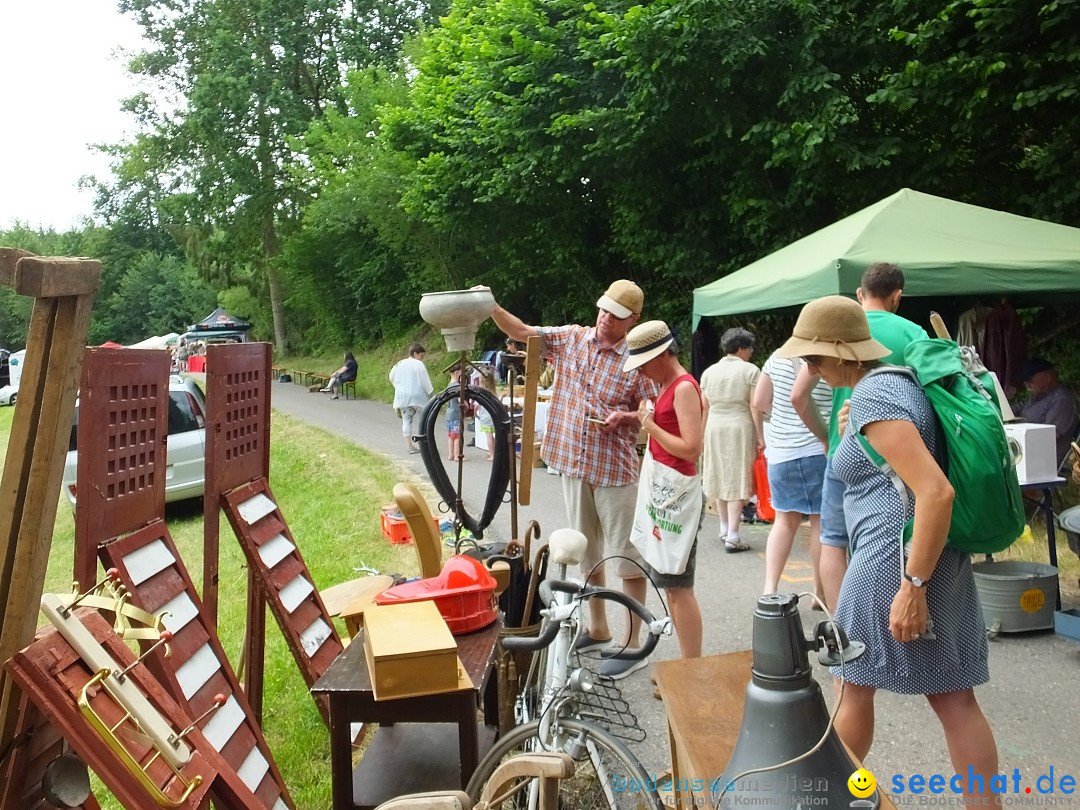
879,292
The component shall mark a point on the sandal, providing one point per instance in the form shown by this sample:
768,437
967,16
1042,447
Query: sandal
735,546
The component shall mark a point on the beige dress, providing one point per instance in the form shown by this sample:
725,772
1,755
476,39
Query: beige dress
730,445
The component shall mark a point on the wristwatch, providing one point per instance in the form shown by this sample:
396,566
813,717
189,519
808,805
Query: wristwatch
916,581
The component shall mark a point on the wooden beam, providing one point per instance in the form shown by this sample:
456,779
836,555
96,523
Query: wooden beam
9,257
56,277
528,419
37,446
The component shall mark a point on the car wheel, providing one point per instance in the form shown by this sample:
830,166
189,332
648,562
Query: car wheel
12,401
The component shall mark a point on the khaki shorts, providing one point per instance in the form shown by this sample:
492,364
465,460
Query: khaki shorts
605,515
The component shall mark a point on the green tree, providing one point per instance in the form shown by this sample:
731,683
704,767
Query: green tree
237,80
158,295
359,262
996,84
499,169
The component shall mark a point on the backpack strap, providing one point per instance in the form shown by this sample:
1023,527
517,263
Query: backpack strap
879,461
873,455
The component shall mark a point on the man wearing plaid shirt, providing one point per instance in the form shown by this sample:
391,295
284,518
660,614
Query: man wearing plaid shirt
590,440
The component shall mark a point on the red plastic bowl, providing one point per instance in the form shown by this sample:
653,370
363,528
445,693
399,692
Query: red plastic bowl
464,593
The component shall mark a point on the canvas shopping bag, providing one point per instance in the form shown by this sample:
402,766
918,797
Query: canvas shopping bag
666,517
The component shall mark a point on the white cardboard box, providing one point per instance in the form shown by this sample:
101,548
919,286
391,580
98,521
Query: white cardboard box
1036,446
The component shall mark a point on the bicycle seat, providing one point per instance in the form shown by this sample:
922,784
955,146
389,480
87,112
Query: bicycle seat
566,546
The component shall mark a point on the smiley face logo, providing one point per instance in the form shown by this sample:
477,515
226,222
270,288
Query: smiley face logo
861,783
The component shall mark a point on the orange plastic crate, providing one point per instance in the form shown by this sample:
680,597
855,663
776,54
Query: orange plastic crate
396,530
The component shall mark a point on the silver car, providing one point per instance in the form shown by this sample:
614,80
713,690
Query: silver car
185,456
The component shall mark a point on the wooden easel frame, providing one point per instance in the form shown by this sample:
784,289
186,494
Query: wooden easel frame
63,289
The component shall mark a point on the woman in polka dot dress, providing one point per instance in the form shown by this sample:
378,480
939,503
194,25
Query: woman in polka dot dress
920,619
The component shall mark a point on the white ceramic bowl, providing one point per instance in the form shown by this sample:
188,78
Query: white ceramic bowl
457,314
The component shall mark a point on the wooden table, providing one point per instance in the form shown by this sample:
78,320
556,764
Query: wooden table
704,698
419,754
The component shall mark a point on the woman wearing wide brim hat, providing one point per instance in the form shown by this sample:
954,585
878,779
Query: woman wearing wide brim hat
676,429
920,617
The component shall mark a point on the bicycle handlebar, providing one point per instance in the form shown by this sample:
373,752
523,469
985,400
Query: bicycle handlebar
551,629
532,643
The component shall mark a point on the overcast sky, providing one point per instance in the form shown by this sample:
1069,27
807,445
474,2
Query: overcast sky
60,89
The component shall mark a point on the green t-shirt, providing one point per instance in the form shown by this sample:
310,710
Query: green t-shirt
894,333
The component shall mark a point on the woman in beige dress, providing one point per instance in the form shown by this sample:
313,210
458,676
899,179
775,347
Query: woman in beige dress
730,441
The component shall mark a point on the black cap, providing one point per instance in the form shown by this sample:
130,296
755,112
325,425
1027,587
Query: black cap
1036,365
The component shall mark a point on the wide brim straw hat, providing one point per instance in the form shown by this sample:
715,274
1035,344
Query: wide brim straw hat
646,341
833,326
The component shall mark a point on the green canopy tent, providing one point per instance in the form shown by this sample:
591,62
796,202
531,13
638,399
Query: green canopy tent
945,248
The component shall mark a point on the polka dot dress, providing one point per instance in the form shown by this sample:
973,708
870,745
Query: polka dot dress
957,658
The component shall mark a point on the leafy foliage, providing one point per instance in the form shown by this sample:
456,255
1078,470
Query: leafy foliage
358,263
238,79
548,147
142,292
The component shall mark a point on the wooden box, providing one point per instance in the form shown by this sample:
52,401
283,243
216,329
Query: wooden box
409,650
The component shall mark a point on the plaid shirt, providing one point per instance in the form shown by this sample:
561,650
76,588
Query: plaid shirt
590,382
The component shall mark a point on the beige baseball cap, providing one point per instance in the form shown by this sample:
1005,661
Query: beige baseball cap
622,299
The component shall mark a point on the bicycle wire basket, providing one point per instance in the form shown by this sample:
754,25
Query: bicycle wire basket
605,705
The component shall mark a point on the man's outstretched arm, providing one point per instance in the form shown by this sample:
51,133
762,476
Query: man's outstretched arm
512,325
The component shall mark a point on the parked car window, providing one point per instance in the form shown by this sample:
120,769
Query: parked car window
184,415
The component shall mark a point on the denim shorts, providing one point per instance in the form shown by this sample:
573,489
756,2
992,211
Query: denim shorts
795,486
833,526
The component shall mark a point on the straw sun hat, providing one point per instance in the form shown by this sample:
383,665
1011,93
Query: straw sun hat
646,341
833,326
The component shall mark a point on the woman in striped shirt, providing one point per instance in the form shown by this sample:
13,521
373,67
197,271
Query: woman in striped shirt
796,461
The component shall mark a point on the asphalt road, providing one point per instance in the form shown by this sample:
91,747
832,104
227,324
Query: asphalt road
1032,700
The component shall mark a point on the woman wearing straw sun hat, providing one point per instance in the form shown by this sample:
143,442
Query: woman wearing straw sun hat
670,503
918,613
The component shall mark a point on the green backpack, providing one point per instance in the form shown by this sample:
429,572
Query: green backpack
988,513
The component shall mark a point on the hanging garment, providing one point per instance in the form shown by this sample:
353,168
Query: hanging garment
1005,346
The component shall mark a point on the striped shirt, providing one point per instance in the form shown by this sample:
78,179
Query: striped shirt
786,436
591,383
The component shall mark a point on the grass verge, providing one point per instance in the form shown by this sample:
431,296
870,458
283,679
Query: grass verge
330,493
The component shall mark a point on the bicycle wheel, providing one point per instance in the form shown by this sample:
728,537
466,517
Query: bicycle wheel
606,777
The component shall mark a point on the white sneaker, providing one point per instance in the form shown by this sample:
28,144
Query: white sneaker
325,390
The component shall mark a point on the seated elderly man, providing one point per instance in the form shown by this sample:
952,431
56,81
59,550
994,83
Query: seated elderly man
1049,403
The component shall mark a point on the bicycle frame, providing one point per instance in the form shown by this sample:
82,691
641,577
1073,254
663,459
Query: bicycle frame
556,680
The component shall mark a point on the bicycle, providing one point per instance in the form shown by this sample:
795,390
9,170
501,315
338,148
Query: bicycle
564,708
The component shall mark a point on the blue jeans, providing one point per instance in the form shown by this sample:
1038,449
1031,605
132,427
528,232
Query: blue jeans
833,526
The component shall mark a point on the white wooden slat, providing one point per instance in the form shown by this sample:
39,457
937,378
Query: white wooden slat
276,549
312,638
146,714
151,559
254,769
177,612
293,594
197,670
280,804
223,724
256,508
